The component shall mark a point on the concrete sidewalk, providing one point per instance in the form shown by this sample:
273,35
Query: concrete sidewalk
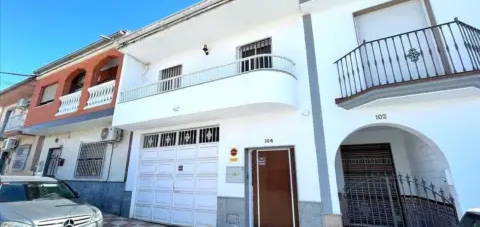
110,220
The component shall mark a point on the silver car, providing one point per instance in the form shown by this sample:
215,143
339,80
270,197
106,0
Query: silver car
43,201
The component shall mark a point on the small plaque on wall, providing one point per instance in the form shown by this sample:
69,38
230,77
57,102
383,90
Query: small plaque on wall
235,174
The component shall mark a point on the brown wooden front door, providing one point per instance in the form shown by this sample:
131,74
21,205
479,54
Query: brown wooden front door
274,188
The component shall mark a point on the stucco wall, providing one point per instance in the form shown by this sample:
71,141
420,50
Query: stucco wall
286,127
45,113
27,170
449,119
411,155
70,143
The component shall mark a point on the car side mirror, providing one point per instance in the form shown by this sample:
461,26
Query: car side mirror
76,194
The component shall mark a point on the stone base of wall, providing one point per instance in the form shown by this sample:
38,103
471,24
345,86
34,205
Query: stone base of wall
231,212
332,220
110,197
310,214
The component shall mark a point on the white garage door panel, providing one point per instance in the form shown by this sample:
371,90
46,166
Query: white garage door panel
145,196
162,214
164,183
183,200
205,219
146,181
149,155
184,184
207,168
163,198
183,217
206,184
207,152
143,212
147,167
187,153
178,185
167,154
187,169
166,168
206,202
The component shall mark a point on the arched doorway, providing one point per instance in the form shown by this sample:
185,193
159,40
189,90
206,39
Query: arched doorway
389,175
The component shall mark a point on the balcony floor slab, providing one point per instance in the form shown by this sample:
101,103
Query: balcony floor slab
373,96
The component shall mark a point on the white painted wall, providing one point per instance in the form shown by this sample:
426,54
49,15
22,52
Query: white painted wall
70,143
258,87
449,119
285,128
411,155
24,140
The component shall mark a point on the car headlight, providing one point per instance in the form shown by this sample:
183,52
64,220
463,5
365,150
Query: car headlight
96,217
13,224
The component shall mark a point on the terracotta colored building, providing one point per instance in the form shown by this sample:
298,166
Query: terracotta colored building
72,108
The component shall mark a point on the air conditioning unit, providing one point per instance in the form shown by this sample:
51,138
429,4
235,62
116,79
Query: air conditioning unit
23,103
10,144
111,134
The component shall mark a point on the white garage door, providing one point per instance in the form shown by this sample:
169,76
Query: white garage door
177,179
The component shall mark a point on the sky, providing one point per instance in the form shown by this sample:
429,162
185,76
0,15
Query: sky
36,32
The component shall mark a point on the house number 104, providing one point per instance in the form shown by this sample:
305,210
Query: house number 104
268,140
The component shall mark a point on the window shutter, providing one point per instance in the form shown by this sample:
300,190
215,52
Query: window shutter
49,93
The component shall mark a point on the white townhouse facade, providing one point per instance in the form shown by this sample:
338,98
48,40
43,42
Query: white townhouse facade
200,119
399,98
243,115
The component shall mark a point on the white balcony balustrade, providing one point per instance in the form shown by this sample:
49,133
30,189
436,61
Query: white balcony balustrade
101,94
254,85
69,103
15,122
266,62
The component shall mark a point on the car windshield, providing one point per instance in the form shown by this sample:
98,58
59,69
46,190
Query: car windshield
27,191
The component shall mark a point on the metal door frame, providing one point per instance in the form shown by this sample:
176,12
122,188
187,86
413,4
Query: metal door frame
249,206
394,173
49,159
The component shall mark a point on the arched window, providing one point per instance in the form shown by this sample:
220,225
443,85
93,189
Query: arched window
77,82
107,71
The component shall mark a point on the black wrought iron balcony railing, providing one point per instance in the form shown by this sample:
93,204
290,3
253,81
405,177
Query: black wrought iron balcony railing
448,49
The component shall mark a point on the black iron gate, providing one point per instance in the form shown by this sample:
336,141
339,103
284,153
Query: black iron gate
52,162
396,201
374,195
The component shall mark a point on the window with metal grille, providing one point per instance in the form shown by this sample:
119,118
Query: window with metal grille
21,155
168,139
90,159
150,141
262,47
209,135
169,78
187,137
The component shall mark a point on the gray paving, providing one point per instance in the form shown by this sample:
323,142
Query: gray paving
110,220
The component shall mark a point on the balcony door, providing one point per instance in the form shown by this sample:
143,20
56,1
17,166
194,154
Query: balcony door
255,55
393,51
170,78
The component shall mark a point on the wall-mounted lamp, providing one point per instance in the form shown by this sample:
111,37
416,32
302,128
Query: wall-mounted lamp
205,49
